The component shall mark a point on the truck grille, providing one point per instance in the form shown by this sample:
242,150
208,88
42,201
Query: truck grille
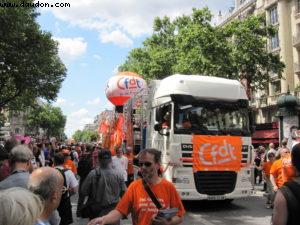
215,182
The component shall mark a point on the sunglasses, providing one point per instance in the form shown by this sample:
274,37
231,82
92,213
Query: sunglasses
147,164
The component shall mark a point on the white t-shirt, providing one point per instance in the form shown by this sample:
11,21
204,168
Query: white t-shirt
121,165
71,180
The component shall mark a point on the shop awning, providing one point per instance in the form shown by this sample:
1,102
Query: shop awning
265,136
265,141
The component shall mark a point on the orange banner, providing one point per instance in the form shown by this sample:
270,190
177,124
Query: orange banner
216,153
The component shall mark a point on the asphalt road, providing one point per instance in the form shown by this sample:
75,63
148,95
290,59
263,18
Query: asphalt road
247,211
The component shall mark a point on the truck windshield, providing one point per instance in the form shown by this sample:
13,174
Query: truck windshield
211,118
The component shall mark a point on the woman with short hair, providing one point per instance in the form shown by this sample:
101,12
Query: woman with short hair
19,206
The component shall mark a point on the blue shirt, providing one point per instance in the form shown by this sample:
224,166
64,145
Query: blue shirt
18,178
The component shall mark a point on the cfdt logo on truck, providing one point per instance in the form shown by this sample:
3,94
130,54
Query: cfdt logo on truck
214,154
129,83
217,153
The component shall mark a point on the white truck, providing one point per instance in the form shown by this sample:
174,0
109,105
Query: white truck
201,125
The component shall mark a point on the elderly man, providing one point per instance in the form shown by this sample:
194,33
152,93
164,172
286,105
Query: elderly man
287,200
20,160
48,184
136,200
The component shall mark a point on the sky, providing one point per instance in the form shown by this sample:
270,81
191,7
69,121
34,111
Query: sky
95,37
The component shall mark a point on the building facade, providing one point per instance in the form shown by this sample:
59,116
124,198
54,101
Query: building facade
285,16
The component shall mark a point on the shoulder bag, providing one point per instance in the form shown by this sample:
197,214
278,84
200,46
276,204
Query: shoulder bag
92,208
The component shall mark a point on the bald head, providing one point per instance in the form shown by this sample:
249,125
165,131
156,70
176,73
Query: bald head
45,181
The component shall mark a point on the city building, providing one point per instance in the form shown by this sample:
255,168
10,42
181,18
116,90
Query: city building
284,15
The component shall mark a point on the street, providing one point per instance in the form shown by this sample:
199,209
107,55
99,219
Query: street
248,211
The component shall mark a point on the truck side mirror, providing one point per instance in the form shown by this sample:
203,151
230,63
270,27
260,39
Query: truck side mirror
158,115
157,127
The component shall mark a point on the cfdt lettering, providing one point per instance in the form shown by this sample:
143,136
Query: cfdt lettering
129,83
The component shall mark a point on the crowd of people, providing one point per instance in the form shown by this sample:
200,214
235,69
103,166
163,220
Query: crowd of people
41,178
279,170
49,173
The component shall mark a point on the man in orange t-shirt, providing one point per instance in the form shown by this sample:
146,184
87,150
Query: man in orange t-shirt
69,164
137,201
282,169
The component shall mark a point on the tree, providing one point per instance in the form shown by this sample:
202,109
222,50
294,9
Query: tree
29,62
85,136
77,136
249,53
49,118
191,45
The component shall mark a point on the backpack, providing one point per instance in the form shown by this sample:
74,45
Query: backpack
66,194
291,192
65,208
85,165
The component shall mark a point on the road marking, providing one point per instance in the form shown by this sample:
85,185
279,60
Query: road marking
201,220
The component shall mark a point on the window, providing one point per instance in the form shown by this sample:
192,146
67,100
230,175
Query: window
273,16
298,6
276,87
212,118
274,42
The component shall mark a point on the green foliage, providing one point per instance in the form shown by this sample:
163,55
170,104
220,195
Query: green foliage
191,45
49,118
248,50
85,136
30,66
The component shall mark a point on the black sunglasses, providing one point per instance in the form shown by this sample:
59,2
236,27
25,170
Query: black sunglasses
147,164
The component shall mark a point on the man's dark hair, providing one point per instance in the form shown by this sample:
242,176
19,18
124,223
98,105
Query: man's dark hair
104,157
3,153
10,144
59,159
296,156
152,151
